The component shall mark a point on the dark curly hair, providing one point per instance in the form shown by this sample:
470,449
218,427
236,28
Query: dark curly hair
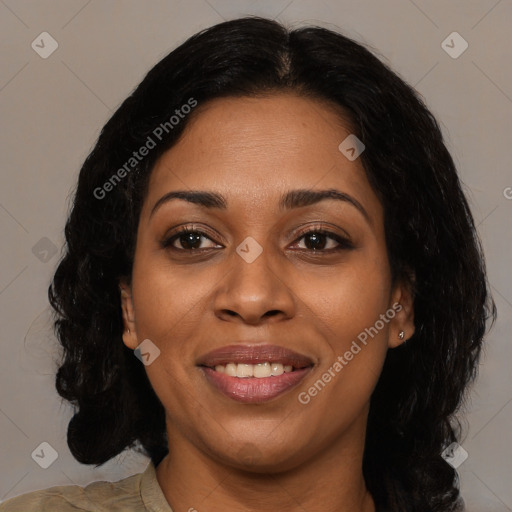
430,234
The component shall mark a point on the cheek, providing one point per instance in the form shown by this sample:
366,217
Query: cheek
352,298
168,309
348,310
167,300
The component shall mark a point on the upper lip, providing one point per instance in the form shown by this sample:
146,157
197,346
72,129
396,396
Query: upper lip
253,354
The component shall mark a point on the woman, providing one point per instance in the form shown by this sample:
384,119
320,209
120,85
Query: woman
272,224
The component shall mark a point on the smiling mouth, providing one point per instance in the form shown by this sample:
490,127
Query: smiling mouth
256,373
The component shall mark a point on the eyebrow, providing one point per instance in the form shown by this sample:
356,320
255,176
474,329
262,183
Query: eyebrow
290,200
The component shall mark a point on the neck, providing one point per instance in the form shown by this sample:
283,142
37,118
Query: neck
332,481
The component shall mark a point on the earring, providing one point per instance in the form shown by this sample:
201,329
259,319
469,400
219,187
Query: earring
128,330
401,335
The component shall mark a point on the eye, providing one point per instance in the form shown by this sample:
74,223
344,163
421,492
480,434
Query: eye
188,239
315,240
318,240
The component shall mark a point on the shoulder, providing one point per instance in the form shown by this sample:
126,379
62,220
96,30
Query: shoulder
63,498
96,497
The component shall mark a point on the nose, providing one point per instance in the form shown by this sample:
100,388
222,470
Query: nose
256,292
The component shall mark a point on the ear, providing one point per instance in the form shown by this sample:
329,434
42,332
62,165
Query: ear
402,302
129,329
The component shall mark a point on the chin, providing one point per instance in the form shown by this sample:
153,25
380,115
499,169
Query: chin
263,458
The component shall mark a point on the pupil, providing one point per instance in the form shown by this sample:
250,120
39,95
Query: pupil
188,240
317,241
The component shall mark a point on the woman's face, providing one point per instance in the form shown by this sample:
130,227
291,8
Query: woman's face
259,286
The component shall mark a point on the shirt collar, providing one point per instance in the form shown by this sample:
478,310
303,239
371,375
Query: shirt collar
151,492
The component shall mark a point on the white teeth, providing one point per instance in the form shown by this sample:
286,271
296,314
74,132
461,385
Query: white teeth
231,369
276,369
244,370
259,370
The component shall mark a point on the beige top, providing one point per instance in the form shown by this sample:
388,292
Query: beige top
137,493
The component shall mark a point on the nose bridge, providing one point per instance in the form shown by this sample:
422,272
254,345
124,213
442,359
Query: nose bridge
254,285
252,268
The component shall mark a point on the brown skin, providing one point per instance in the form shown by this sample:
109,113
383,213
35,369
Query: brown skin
279,455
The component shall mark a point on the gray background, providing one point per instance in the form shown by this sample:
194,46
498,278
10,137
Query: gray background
52,110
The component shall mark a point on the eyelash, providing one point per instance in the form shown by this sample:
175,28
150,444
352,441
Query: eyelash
344,243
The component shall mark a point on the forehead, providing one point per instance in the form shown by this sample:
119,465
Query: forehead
252,149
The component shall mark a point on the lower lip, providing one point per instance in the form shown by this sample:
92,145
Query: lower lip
252,390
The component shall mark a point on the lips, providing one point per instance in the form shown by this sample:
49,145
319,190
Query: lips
243,386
